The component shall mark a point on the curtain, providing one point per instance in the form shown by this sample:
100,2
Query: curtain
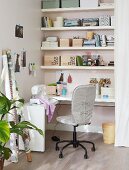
122,73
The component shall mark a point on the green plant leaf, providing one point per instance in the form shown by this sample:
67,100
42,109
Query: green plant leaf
7,153
18,128
4,132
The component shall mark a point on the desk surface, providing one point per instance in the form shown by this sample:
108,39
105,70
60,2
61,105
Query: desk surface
98,99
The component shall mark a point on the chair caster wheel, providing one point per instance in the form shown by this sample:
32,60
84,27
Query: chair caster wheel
60,155
57,148
85,156
93,149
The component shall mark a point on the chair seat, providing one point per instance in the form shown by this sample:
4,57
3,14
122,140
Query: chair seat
69,120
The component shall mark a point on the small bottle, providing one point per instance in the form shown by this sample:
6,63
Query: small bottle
64,89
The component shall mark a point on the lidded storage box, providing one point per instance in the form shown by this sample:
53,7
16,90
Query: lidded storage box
46,4
89,3
70,3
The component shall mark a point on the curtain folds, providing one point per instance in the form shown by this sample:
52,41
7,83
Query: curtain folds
122,73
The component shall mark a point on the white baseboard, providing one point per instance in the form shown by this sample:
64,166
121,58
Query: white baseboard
85,128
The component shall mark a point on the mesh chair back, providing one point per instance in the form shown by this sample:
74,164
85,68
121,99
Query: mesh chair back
83,103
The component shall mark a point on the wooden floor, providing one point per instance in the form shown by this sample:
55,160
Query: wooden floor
106,157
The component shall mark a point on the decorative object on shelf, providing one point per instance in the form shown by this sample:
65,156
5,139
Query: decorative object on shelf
104,20
89,43
46,22
59,22
51,60
89,35
68,60
46,4
89,3
97,40
72,22
103,40
17,65
79,61
111,63
90,22
70,3
69,80
19,31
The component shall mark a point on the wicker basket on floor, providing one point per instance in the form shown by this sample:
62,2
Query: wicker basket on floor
108,133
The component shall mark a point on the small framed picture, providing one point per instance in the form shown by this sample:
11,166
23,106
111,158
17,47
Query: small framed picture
19,31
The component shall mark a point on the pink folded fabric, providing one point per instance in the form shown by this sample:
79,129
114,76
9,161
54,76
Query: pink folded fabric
49,107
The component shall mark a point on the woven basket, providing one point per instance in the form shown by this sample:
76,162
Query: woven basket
108,133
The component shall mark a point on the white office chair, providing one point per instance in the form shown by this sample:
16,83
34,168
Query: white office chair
83,99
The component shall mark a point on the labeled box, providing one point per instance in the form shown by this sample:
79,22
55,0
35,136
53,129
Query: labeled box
89,3
64,42
68,61
51,60
77,42
69,3
46,4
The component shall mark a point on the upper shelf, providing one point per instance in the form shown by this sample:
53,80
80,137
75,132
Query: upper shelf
75,48
109,8
77,28
77,67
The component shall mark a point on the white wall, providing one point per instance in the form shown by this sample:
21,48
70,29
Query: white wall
26,13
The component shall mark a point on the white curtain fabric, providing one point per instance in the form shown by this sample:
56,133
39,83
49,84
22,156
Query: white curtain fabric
122,73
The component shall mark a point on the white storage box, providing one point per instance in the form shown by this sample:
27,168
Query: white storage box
107,92
89,3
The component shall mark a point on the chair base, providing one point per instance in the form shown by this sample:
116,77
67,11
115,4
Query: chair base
75,143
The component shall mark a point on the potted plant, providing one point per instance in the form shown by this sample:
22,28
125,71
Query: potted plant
6,128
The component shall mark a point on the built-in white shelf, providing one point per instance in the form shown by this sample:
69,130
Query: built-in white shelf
75,48
77,28
77,67
108,8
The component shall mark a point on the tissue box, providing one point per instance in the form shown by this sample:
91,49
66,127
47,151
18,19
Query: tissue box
108,92
51,60
77,42
64,42
68,61
46,4
89,3
51,90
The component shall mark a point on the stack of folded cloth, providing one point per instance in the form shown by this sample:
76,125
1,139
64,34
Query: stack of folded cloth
50,42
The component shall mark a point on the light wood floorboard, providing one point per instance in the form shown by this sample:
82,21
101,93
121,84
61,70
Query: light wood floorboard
106,157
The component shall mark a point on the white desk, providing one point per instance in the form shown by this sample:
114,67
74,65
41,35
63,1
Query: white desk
98,101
